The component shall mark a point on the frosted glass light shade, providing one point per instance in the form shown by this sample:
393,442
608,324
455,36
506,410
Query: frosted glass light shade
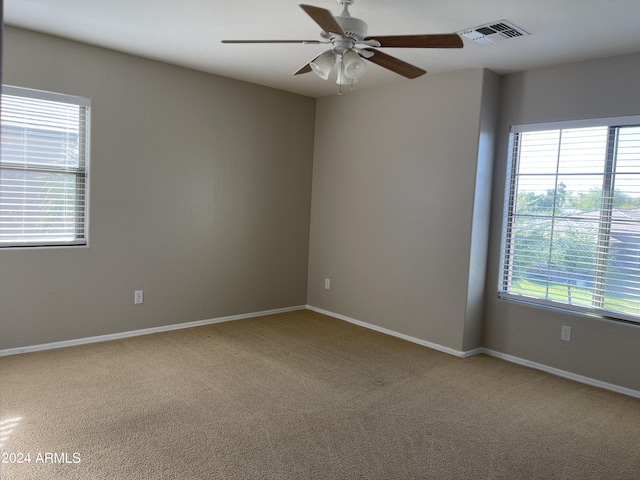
353,65
323,65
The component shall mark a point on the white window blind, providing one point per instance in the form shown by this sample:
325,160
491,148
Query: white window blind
571,236
43,169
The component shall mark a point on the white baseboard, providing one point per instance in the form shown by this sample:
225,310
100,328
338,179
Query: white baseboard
562,373
145,331
503,356
424,343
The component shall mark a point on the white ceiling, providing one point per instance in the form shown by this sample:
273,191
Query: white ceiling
188,33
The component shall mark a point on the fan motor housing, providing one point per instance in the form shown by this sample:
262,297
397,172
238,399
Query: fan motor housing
353,27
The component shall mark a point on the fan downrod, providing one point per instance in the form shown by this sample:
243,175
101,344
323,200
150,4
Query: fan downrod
345,7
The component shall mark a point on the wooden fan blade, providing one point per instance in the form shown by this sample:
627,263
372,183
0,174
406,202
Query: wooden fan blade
395,65
445,40
324,18
305,69
272,41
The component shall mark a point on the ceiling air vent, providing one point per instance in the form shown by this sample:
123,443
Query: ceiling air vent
493,32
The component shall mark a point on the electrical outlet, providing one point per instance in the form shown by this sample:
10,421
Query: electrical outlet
565,334
327,283
138,297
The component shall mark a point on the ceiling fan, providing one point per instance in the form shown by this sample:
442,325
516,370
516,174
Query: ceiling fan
350,44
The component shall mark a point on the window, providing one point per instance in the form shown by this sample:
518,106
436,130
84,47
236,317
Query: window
571,236
43,169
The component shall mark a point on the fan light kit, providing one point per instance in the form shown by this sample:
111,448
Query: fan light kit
351,46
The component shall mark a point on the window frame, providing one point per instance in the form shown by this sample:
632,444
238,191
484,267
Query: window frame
80,172
509,215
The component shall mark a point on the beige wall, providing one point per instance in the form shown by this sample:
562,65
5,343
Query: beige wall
600,349
394,204
200,196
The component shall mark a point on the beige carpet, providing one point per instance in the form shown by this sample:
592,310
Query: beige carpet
303,396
